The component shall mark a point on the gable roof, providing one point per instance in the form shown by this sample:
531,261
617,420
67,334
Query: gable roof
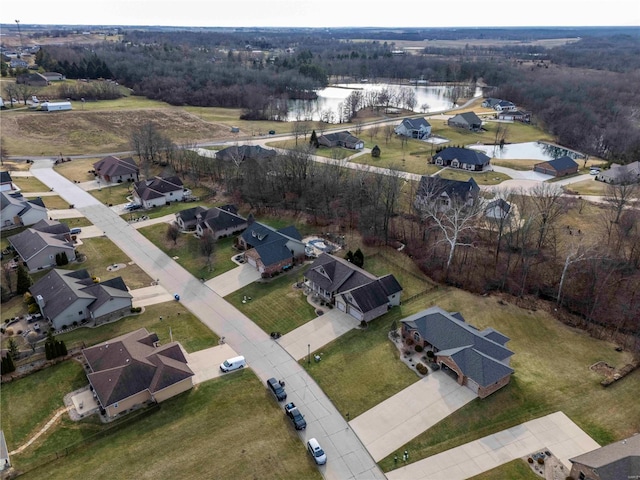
51,226
630,172
435,185
614,461
5,177
500,203
245,152
270,244
469,118
415,123
157,187
131,363
30,242
218,218
113,166
463,155
344,137
560,164
481,368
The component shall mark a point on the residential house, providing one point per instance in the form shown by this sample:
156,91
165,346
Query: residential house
629,173
558,168
39,246
463,158
498,210
241,153
114,169
6,183
477,359
341,139
221,221
18,63
54,76
514,116
351,289
490,102
505,106
158,191
417,127
468,120
269,250
69,297
15,210
445,192
32,79
616,461
134,369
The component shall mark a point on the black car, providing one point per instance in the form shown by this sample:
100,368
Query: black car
277,388
296,417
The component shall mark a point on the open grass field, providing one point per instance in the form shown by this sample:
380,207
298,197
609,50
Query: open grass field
51,202
588,187
114,194
29,185
77,169
275,306
187,251
185,328
408,275
552,374
101,252
201,434
515,469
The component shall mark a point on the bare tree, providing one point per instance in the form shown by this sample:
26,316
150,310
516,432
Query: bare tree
358,128
32,339
576,254
207,246
547,200
373,131
388,133
424,107
147,142
173,232
619,195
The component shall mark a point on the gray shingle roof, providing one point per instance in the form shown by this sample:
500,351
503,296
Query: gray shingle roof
30,242
562,163
619,460
113,166
158,187
431,186
245,152
415,123
464,155
269,243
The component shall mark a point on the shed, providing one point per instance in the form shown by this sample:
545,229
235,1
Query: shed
55,106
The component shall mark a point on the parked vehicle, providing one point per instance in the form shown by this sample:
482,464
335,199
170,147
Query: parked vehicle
316,451
277,388
75,230
233,364
296,417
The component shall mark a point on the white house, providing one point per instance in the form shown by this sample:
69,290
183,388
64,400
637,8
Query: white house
15,210
417,127
158,191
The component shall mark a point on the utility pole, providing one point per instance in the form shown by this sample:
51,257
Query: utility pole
19,36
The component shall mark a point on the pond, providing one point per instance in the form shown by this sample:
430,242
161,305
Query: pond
526,151
429,99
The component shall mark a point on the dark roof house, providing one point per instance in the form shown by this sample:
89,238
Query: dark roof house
464,158
468,120
15,210
6,183
558,168
158,191
39,246
621,174
114,169
133,369
240,153
341,139
445,192
616,461
479,359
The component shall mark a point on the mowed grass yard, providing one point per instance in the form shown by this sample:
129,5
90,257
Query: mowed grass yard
551,363
201,434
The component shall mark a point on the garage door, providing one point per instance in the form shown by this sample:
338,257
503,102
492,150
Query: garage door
357,314
341,306
252,261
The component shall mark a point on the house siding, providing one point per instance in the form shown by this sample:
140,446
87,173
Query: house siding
488,390
115,308
128,403
47,258
76,312
173,390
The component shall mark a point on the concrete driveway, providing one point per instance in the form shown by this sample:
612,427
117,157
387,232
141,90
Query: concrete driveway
317,333
233,280
392,423
150,296
554,432
206,363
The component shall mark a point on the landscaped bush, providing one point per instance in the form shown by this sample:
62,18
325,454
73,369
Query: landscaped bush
409,341
540,461
422,369
33,308
419,348
530,460
430,354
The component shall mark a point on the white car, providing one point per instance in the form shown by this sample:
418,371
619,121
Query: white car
316,451
593,171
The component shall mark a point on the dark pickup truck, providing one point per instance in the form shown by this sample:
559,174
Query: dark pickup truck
296,417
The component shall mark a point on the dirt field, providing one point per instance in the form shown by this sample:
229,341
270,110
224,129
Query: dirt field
79,132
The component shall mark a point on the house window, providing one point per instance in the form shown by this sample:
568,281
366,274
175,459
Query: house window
79,313
416,337
581,476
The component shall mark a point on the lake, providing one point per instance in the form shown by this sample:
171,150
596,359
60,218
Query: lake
526,151
434,98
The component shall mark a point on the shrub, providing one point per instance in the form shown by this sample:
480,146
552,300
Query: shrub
363,324
540,461
9,332
422,369
419,348
530,460
409,341
33,308
430,354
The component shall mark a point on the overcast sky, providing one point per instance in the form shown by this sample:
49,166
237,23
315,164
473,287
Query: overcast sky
325,13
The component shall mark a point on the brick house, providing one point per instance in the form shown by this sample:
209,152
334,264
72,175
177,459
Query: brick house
558,168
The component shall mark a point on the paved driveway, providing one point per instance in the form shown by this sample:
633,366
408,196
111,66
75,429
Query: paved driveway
206,363
150,296
392,423
233,280
554,432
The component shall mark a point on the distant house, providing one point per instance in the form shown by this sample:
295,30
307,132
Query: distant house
114,169
498,210
158,191
18,63
270,250
221,221
463,158
477,359
341,139
619,174
558,168
505,106
68,297
417,127
241,153
15,210
134,369
445,192
32,79
616,461
515,116
351,289
468,120
54,76
6,183
39,246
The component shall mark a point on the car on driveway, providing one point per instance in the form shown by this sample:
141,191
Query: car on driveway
277,388
296,417
132,206
314,449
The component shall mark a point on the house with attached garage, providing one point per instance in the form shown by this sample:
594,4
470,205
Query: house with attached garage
498,210
16,211
616,461
478,359
351,289
341,139
6,183
43,244
114,169
158,191
463,158
417,127
621,174
70,297
269,250
134,369
220,221
558,168
445,193
467,120
241,153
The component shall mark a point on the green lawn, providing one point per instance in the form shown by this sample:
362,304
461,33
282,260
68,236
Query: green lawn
201,434
588,187
177,323
481,178
29,184
187,249
552,374
101,252
410,278
515,470
114,194
275,306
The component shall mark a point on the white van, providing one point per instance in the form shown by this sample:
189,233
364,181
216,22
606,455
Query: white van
233,364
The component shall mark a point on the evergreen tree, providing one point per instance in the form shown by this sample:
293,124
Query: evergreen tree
64,260
58,260
358,258
7,365
24,280
14,351
313,141
349,256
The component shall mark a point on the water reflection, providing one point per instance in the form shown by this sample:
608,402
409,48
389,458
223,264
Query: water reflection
527,151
